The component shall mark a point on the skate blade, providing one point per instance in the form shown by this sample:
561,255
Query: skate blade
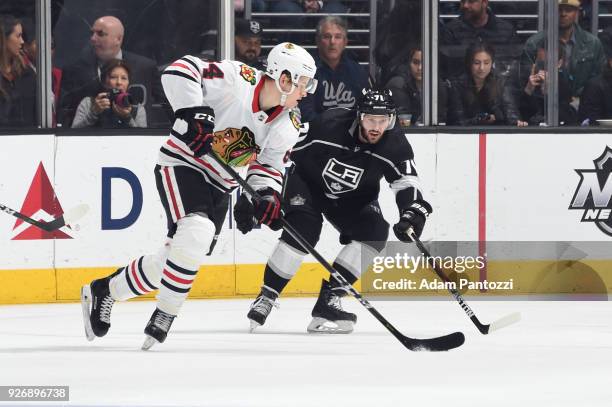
148,343
324,326
253,325
86,307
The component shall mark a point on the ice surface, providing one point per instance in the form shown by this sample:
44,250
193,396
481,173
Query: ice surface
559,354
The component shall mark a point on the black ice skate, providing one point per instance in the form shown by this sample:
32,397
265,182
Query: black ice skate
328,315
261,307
96,303
157,328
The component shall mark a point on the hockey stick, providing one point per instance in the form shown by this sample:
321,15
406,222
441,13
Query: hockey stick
68,218
441,343
483,328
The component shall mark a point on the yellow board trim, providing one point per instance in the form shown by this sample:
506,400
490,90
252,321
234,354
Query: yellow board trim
244,280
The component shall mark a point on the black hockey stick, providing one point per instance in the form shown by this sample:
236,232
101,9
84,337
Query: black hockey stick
441,343
69,217
483,328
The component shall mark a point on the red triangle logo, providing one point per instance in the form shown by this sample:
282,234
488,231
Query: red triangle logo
41,199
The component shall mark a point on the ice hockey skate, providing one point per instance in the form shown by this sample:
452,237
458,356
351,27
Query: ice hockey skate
157,328
96,303
328,316
261,307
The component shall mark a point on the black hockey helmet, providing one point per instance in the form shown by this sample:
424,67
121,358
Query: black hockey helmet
377,102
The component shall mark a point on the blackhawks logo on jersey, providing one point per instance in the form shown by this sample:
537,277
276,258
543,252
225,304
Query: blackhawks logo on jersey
295,119
247,73
236,147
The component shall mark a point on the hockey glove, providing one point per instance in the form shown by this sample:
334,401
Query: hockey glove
268,208
244,214
412,218
194,126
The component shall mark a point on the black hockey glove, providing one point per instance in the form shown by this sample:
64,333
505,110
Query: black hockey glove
268,208
412,218
266,211
244,213
194,126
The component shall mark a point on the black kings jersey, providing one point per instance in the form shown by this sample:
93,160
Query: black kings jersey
337,166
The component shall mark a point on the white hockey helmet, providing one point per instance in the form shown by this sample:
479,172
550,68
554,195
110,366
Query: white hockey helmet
294,59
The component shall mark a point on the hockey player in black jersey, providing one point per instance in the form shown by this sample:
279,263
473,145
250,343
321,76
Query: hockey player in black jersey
337,173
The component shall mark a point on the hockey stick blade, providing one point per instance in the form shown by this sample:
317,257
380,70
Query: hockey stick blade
68,218
441,343
436,344
505,321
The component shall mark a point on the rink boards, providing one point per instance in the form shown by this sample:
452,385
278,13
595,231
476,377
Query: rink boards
494,187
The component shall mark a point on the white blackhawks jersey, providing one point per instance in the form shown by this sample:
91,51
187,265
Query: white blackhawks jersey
232,90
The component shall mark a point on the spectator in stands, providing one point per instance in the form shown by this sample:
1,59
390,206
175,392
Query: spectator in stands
584,57
17,81
480,97
533,96
83,77
596,103
111,108
340,78
476,22
247,41
407,85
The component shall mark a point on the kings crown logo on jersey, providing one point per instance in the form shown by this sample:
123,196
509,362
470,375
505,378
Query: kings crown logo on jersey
593,195
248,74
236,147
340,177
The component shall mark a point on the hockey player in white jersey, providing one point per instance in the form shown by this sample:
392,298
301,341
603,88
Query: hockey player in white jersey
247,118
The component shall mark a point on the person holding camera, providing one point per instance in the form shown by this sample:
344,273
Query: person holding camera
114,107
533,96
480,97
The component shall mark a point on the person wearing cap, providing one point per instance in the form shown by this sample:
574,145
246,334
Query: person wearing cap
584,55
247,41
596,103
